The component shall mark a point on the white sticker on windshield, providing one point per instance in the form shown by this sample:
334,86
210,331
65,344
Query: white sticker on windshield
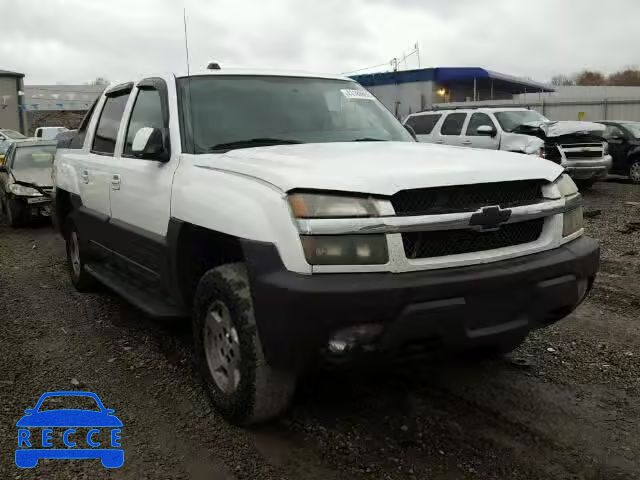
355,94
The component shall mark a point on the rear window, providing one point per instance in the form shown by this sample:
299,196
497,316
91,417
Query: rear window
453,124
104,141
423,124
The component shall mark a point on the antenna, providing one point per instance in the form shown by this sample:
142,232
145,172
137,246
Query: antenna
186,48
186,38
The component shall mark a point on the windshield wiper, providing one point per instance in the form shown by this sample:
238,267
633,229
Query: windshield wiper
369,139
252,142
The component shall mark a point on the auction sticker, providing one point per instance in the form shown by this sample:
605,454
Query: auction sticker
356,94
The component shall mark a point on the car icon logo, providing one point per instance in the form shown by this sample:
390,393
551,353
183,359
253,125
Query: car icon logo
490,218
96,428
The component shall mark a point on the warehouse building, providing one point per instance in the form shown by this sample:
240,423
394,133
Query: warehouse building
12,114
410,91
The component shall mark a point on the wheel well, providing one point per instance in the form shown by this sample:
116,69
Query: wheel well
198,250
62,209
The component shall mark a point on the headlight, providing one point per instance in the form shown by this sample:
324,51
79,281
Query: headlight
572,222
566,185
312,205
345,249
23,191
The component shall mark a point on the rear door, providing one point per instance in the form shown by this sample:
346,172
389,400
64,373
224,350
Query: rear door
451,129
473,139
423,124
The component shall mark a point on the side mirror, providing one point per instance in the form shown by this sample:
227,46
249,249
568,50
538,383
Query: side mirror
3,168
28,411
617,138
149,143
109,411
486,131
410,129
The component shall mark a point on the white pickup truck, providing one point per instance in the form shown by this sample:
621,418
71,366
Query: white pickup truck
295,219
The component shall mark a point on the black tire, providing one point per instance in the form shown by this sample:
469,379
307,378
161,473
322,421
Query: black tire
586,184
16,212
261,392
81,280
634,171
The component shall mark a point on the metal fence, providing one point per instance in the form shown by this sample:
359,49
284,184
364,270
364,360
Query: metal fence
557,109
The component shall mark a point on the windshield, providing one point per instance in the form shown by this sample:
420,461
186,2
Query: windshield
33,158
12,134
511,119
633,128
222,110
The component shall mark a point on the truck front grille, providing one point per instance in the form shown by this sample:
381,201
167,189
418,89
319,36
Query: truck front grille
582,150
454,242
466,198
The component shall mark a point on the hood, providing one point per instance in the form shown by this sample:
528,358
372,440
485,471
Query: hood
69,418
381,168
558,129
37,176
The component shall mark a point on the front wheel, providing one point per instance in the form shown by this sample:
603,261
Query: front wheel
228,351
634,171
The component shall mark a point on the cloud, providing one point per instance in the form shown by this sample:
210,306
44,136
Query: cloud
75,41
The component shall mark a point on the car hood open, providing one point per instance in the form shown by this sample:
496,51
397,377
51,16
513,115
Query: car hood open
36,176
559,129
382,168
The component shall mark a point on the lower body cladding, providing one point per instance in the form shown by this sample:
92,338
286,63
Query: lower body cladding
492,305
592,169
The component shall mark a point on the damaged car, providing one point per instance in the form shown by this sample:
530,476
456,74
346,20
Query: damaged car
577,146
25,181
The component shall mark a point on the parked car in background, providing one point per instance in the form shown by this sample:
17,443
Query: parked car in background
25,181
577,146
49,133
624,147
64,138
296,220
7,137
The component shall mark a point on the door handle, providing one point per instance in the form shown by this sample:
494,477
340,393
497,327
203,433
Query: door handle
467,142
84,175
440,141
115,182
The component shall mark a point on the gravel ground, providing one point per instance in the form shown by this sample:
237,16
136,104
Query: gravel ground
564,406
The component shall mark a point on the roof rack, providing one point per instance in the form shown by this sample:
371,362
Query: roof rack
470,107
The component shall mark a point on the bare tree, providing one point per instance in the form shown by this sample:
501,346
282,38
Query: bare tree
101,81
562,81
590,78
627,77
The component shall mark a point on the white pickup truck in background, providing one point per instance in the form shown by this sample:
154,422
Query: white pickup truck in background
577,146
295,219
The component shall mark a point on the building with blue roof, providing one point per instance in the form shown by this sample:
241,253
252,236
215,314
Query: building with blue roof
410,91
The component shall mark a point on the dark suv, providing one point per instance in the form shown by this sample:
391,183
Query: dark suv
624,146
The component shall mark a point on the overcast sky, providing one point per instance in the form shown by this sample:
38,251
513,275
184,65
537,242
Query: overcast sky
75,41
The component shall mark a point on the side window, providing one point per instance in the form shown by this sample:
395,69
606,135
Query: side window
78,139
423,124
39,133
613,131
478,119
453,124
104,141
147,112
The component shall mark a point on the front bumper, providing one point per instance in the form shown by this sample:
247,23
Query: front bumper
588,169
460,308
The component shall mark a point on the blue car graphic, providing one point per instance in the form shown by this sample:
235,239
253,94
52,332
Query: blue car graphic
68,418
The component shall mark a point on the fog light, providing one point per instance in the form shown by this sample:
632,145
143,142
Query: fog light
345,249
348,338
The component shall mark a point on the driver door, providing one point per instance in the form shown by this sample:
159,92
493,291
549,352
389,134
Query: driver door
473,139
618,148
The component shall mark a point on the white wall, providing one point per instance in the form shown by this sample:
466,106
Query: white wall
412,97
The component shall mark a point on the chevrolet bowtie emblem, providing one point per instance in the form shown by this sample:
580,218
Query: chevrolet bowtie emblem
490,218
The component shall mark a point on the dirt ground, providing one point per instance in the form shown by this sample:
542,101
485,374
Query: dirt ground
564,406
